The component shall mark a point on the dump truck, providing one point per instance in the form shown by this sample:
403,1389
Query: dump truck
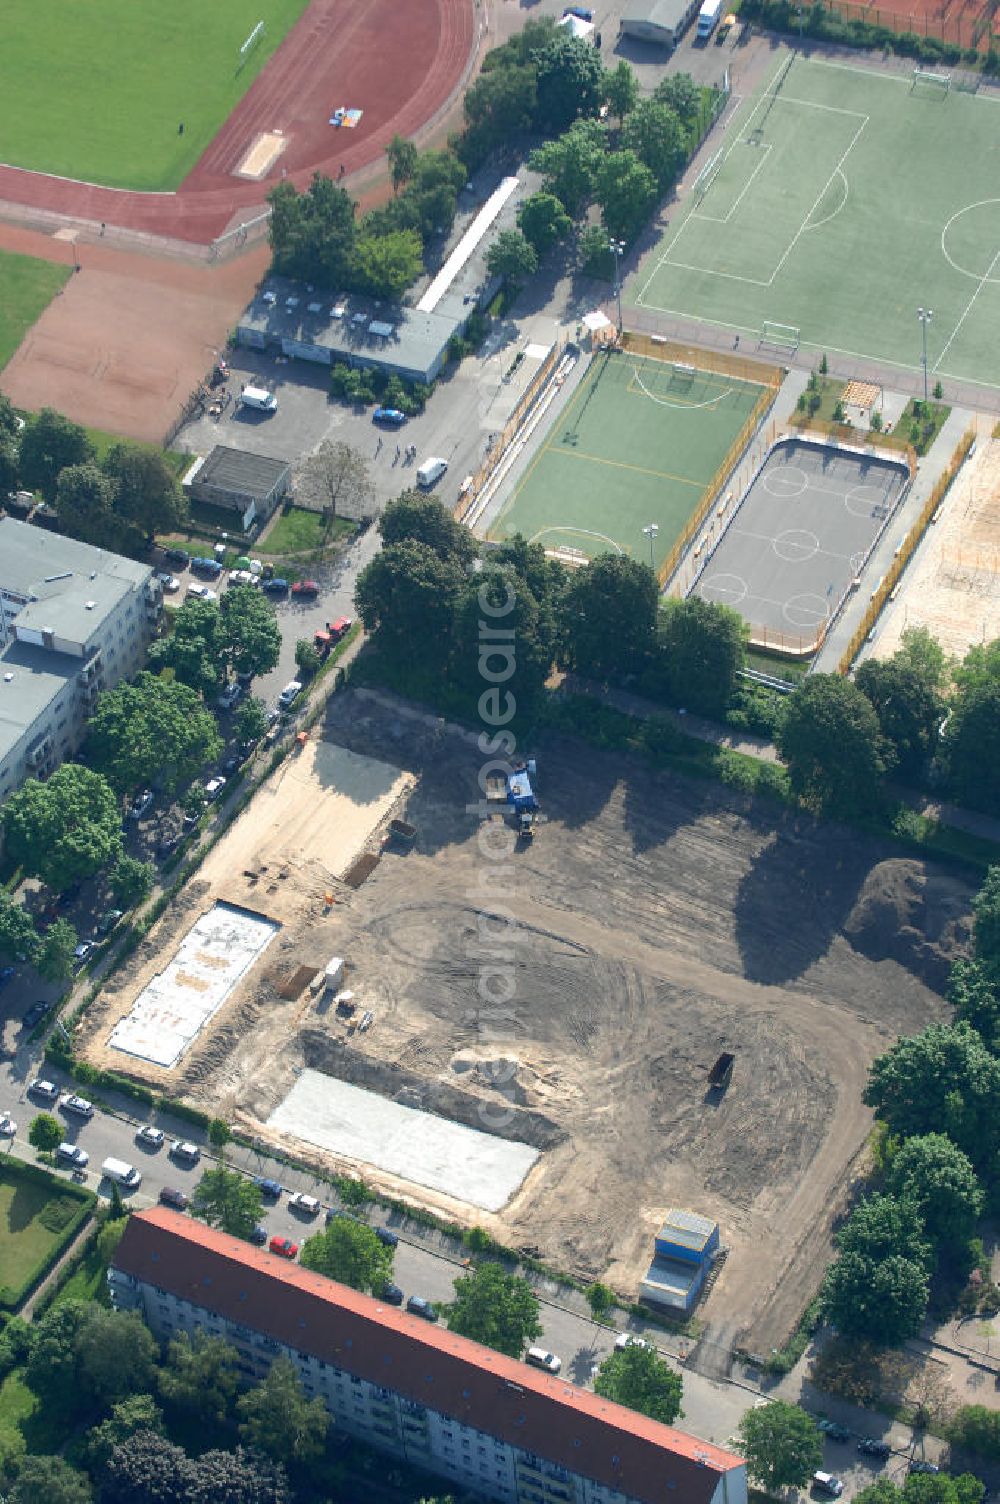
721,1073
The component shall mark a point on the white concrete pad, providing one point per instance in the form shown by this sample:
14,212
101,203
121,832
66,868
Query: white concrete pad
431,1151
171,1011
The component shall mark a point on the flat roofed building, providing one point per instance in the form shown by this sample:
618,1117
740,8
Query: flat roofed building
418,1391
73,620
237,481
660,21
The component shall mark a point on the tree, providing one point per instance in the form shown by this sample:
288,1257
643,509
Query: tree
933,1173
200,1378
925,655
18,936
542,221
594,249
49,1480
881,1300
146,1468
511,258
976,1428
139,1412
131,881
701,647
351,1253
986,922
638,1378
621,90
66,829
607,616
881,1226
941,1080
148,495
570,81
219,1133
600,1298
194,649
831,743
307,659
498,1309
909,707
10,444
416,518
312,233
251,636
517,663
386,265
51,1370
782,1445
499,106
224,1198
402,158
45,1132
409,595
972,746
56,955
49,444
85,505
335,480
115,1353
237,1477
570,164
250,720
973,993
152,730
626,192
654,132
683,95
278,1420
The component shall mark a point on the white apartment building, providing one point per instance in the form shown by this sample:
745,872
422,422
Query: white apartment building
475,1417
73,620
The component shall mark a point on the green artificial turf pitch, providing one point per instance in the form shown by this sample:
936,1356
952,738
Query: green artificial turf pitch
638,443
846,198
27,286
97,91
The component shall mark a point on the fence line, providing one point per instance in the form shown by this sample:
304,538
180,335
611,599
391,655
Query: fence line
849,437
906,551
718,362
965,29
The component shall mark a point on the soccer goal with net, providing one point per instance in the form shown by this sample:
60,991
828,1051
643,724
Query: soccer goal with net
707,176
780,336
933,83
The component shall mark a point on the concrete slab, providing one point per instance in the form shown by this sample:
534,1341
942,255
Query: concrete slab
431,1151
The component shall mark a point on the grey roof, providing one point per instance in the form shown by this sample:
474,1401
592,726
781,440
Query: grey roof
30,678
71,587
666,13
245,474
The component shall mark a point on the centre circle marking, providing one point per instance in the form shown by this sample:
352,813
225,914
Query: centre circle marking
727,589
860,500
983,276
804,611
786,483
795,545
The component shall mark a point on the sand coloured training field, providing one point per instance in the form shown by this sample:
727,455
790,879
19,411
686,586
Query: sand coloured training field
952,587
321,805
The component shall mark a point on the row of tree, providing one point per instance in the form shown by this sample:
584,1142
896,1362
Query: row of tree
118,502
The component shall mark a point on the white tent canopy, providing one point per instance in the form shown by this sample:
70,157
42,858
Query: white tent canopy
576,27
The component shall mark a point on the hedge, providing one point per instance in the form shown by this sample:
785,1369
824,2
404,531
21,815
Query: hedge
825,25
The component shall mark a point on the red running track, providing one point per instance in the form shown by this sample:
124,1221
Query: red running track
397,60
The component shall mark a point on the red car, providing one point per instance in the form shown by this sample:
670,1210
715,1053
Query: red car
305,587
283,1247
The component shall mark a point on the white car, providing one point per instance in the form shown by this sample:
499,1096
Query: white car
78,1106
230,696
7,1125
185,1151
149,1136
627,1339
47,1090
169,583
300,1202
72,1154
214,787
539,1358
201,592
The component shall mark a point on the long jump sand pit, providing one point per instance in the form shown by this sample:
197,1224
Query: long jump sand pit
465,1163
952,587
321,805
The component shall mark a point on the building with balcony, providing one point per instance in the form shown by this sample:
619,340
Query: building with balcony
475,1417
73,620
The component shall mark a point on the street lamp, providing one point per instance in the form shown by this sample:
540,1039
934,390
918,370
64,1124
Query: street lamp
925,315
651,529
617,248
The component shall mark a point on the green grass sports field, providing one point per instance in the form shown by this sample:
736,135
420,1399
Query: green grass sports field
637,443
841,199
97,91
27,286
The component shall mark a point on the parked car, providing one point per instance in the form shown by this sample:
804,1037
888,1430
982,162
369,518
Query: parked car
107,921
283,1247
201,593
78,1106
214,787
387,1236
390,415
921,1465
185,1151
150,1137
72,1154
300,1202
826,1483
391,1294
242,577
539,1358
36,1013
834,1430
171,1197
275,586
169,583
340,626
628,1339
46,1091
259,1236
308,588
230,696
211,568
418,1306
82,952
269,1188
872,1446
178,556
232,764
7,1125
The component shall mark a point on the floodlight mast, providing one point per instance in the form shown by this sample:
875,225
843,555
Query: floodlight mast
651,530
617,248
925,315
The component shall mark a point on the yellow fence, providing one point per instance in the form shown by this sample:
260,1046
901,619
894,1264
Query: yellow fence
902,558
510,429
861,438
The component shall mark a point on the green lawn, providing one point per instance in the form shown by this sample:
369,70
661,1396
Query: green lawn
37,1218
27,287
842,200
302,532
99,91
638,443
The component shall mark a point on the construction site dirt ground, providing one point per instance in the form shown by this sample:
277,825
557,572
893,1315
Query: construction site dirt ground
653,923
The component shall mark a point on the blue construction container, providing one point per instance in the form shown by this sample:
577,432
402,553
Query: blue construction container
519,791
687,1238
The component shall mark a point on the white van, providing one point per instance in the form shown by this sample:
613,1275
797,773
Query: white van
121,1173
259,398
430,471
289,694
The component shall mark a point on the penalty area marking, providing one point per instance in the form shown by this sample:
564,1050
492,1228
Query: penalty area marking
691,407
577,532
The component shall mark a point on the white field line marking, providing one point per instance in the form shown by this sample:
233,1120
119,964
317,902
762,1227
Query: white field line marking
724,219
710,271
691,407
819,199
968,307
834,212
812,104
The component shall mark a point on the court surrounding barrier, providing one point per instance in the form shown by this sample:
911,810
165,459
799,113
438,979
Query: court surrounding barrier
849,437
511,428
894,573
965,26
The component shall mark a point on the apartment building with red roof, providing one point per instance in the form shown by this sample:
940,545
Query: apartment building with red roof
480,1419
